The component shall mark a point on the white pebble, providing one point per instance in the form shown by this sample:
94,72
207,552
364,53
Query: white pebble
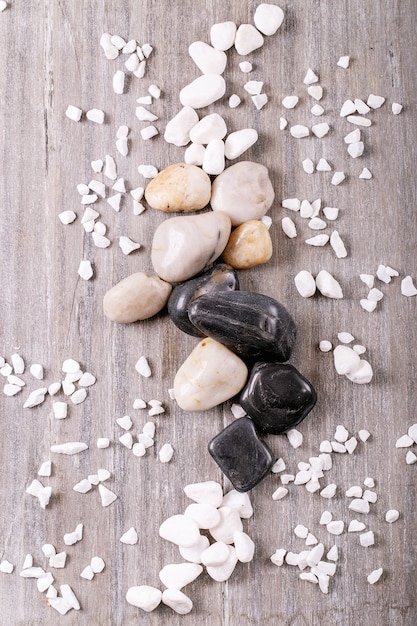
85,270
234,101
355,526
363,374
58,560
356,149
240,502
106,496
139,449
84,486
351,445
142,367
353,137
282,123
126,440
298,131
124,422
340,448
325,345
279,493
375,295
323,166
259,100
407,287
335,527
343,62
293,204
144,597
289,102
177,601
103,442
396,108
367,539
130,537
238,142
73,113
365,174
374,576
359,506
358,120
127,245
79,396
180,530
320,130
310,77
305,284
148,132
301,531
213,160
245,67
6,567
203,91
97,564
208,60
412,432
392,516
95,115
209,492
67,217
405,441
194,154
333,554
308,166
148,171
368,305
361,107
71,447
375,102
348,108
230,522
118,82
166,453
294,437
328,285
317,110
316,223
315,91
87,573
318,240
268,18
329,491
278,557
247,39
222,35
244,546
338,177
288,227
364,435
97,165
325,518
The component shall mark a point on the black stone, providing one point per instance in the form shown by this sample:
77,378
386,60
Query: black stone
248,323
277,397
219,278
241,455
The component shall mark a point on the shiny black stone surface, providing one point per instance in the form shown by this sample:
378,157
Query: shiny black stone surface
241,455
248,323
219,278
277,397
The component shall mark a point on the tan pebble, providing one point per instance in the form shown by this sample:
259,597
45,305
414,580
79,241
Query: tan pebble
244,191
179,187
249,245
136,297
209,376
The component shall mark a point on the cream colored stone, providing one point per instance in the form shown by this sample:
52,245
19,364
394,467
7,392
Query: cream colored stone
243,191
136,297
179,187
184,246
249,245
209,376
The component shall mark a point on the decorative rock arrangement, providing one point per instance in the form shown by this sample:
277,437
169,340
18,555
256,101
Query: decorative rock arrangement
206,301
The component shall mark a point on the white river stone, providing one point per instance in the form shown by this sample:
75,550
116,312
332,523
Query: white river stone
178,129
268,18
184,246
243,191
213,161
209,127
208,59
178,575
179,187
238,142
177,601
247,39
209,376
144,597
203,91
136,297
222,35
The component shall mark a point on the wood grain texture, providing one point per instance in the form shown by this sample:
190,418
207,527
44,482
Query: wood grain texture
50,57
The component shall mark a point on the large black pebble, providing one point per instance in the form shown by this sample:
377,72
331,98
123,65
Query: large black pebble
248,323
241,455
220,278
277,397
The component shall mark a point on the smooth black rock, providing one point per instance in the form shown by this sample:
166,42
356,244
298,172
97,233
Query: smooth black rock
277,397
241,455
219,278
248,323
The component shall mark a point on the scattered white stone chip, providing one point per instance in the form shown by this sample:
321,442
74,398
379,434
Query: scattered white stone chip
375,102
337,178
298,131
289,227
70,447
289,102
305,284
85,270
166,453
295,437
130,537
95,115
374,576
407,287
5,566
365,174
142,367
107,496
396,108
328,285
344,62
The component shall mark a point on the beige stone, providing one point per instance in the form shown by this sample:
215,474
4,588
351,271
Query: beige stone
136,297
179,187
249,245
185,245
209,376
243,191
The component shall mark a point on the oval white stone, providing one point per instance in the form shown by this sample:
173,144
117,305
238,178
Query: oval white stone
239,141
177,575
208,492
216,554
181,530
268,18
144,597
305,284
210,375
205,515
213,161
177,601
222,572
183,246
203,91
229,524
208,59
346,361
244,546
222,35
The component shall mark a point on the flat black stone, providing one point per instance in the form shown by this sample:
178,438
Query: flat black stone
220,278
241,455
277,397
248,323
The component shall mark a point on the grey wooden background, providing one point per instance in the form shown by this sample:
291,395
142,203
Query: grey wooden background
50,57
